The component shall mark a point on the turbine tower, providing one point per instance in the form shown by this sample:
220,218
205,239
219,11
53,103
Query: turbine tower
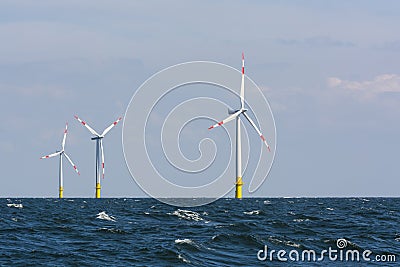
99,147
236,115
62,153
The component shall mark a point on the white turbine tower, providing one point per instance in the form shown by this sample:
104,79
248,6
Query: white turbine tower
99,147
62,153
236,115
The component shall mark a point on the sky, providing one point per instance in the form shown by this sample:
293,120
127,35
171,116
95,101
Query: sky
329,69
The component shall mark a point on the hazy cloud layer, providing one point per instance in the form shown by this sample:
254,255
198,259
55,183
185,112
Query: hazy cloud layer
329,69
384,83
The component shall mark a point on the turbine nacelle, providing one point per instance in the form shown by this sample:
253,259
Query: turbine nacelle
231,111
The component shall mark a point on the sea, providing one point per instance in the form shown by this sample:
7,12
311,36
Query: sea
227,232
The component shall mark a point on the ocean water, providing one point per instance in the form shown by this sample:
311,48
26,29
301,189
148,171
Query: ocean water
228,232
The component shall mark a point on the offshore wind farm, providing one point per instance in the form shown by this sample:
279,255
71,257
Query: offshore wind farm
99,156
234,115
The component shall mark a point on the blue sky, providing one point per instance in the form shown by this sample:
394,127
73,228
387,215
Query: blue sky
330,70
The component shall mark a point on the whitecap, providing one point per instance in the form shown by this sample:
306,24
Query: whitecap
184,241
104,216
183,259
252,212
267,202
187,215
292,244
14,205
330,208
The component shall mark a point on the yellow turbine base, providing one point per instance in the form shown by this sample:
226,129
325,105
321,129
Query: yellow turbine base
239,184
98,187
60,192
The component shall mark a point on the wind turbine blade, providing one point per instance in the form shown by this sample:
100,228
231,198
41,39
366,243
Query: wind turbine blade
258,131
87,126
102,156
111,126
73,165
242,85
228,119
65,136
51,155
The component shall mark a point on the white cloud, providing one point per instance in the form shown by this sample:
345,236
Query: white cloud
384,83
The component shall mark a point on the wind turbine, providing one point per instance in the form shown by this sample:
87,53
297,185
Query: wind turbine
62,153
99,146
236,115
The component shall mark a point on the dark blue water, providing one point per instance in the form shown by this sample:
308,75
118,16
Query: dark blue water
228,232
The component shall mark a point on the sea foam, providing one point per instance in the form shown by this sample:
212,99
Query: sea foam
14,205
104,216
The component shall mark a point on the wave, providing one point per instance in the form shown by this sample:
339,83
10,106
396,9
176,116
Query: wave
14,205
111,230
184,241
278,241
189,244
183,259
301,220
187,215
256,212
104,216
